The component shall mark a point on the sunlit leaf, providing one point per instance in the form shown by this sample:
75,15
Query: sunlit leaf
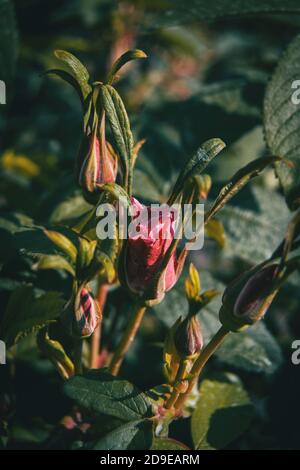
26,313
197,163
124,59
135,435
164,443
222,414
76,69
54,262
120,125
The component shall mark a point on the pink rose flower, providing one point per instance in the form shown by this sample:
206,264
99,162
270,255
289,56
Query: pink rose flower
147,246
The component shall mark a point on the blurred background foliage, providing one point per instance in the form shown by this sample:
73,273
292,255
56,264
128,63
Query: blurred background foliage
205,77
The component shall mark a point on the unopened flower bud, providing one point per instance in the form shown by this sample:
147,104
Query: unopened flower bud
96,165
188,337
248,298
81,314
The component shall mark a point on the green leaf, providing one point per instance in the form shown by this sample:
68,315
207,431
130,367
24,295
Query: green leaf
100,392
117,192
70,209
223,412
54,262
119,122
282,121
197,163
126,57
167,444
77,70
63,243
136,435
253,234
238,181
256,350
8,40
25,313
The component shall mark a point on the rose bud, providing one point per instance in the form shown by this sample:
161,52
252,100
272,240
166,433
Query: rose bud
188,337
146,249
82,314
96,164
248,298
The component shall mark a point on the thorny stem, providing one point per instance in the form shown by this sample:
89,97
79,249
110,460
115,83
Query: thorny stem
95,346
127,339
196,370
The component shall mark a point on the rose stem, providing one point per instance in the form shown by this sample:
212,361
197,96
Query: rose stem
78,356
207,352
127,339
181,373
95,346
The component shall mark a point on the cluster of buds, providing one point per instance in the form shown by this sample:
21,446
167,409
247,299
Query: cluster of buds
97,162
148,264
244,303
184,341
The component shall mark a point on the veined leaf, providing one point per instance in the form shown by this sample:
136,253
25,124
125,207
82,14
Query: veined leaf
99,392
54,262
222,414
197,164
282,121
77,70
135,435
268,219
120,125
126,57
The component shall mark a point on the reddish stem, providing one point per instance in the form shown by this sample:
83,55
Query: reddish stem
95,345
